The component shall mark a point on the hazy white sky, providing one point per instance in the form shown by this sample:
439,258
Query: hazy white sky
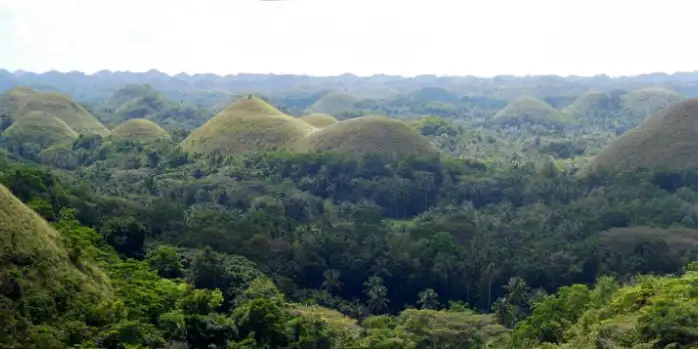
364,37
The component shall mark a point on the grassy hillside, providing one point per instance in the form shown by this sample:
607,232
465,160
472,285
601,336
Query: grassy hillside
333,103
528,110
319,120
640,104
139,130
593,106
368,134
41,129
668,139
39,278
248,125
24,101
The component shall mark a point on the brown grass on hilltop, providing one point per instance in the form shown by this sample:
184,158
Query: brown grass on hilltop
667,140
248,125
366,135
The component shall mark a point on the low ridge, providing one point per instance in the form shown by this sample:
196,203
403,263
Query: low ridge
40,128
139,130
531,111
248,125
366,135
319,120
667,140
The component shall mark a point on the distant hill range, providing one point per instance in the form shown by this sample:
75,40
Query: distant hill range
202,88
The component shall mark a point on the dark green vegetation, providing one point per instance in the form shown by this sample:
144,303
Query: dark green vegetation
271,233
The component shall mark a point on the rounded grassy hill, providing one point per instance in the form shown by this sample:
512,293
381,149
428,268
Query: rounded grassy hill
38,273
366,135
640,104
666,140
61,106
594,106
319,120
246,126
528,110
139,130
333,103
40,128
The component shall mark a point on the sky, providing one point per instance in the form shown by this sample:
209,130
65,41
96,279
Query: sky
362,37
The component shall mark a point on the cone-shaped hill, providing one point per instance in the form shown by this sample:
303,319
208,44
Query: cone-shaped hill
640,104
23,101
667,140
139,130
37,273
40,128
594,106
248,125
319,120
367,135
333,103
528,110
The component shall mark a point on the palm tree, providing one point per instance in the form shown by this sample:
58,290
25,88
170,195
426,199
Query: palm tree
428,299
331,282
517,291
377,294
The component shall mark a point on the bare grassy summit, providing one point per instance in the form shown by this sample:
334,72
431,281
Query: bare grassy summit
40,128
666,140
139,130
246,126
319,120
368,135
20,101
528,110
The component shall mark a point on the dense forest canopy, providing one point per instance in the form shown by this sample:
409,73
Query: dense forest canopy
141,210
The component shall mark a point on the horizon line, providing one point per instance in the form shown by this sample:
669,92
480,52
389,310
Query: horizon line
154,70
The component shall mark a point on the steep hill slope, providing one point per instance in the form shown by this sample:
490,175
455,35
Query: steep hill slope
528,110
139,130
23,101
39,280
368,134
40,128
333,103
248,125
319,120
668,139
